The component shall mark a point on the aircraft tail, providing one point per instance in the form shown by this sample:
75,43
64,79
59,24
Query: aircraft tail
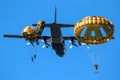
55,15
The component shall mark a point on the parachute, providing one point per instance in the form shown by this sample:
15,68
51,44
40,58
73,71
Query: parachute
94,30
31,35
40,27
98,30
28,32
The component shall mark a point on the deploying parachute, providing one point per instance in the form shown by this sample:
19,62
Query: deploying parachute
40,27
32,34
28,32
98,30
94,30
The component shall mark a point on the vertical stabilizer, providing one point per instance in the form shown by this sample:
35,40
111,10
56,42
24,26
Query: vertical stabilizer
55,15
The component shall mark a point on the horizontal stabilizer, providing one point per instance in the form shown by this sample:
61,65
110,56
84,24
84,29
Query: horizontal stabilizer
57,25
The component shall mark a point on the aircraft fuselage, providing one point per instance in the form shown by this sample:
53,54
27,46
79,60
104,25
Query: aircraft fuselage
56,33
57,40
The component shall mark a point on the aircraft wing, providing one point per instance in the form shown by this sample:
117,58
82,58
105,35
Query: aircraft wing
20,36
40,37
69,38
57,25
44,37
13,36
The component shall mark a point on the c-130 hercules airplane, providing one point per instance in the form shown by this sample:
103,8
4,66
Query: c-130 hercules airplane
56,38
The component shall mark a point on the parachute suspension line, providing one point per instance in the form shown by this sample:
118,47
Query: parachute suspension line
32,51
97,55
92,58
98,58
90,54
96,64
33,56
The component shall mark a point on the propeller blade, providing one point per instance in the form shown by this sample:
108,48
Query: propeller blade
71,46
69,41
28,43
42,40
88,47
43,46
83,44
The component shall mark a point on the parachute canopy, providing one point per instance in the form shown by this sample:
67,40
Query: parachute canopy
94,30
28,32
40,27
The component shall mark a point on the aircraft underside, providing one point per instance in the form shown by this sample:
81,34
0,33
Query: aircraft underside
59,49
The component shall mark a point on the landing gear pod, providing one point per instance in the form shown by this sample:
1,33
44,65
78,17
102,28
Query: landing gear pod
28,32
94,30
40,27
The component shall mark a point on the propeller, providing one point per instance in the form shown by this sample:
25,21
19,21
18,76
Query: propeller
46,44
71,46
84,44
73,43
88,47
43,46
30,42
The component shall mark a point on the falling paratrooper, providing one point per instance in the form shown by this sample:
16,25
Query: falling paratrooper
94,30
32,34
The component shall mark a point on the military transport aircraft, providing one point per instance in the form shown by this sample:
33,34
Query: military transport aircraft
56,39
